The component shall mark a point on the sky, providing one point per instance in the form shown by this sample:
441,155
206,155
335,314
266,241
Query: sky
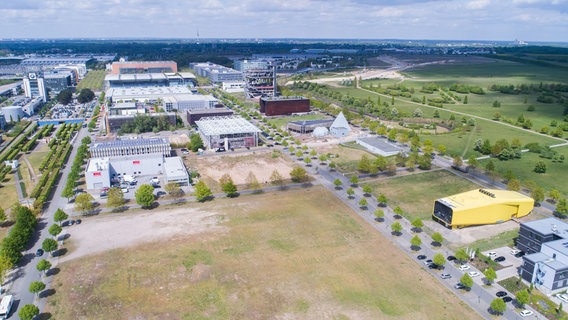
527,20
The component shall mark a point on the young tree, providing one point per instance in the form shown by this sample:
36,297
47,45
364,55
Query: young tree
36,287
382,199
514,185
364,164
28,312
145,196
337,182
59,216
398,211
442,149
54,230
472,162
252,183
437,238
196,142
228,186
522,297
299,174
498,306
43,266
68,191
379,214
461,255
537,194
115,198
363,203
439,260
350,192
276,178
490,166
562,207
417,224
84,202
415,242
396,227
322,158
49,245
554,195
354,180
173,189
367,189
466,280
313,153
458,162
202,191
307,161
490,275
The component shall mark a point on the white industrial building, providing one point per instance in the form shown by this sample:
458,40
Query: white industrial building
186,102
378,146
227,132
216,73
233,86
126,147
34,86
22,108
126,108
102,172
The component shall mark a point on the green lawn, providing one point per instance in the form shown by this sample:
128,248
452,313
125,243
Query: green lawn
554,178
415,193
94,80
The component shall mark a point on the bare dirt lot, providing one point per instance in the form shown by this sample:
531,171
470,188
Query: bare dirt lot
298,254
239,165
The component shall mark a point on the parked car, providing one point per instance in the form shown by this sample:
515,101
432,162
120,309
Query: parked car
501,294
421,257
459,286
492,254
507,299
520,254
451,258
514,252
427,262
526,313
78,221
39,252
464,267
446,276
473,274
499,259
563,297
184,151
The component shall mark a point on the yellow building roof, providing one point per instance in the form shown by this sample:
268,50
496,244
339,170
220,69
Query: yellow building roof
483,197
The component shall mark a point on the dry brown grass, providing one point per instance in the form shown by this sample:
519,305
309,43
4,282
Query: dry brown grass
299,254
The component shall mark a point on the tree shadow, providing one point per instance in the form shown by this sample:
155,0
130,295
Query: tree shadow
338,188
53,272
44,316
60,252
397,216
363,207
493,312
46,293
416,230
120,209
233,195
415,248
396,233
435,244
380,219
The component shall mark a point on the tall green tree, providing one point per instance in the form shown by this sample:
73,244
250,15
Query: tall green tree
49,245
202,191
299,174
439,260
537,194
364,164
145,196
522,297
196,142
461,255
228,186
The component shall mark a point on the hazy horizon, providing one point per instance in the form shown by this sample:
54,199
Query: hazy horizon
436,20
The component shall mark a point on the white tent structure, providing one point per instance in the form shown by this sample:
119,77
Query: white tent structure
320,132
340,127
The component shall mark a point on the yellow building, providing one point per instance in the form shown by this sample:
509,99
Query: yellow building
483,206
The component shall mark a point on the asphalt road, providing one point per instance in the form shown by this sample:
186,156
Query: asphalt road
18,281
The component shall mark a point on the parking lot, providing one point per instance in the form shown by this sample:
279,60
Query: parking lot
72,110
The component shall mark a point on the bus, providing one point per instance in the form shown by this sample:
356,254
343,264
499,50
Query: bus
5,306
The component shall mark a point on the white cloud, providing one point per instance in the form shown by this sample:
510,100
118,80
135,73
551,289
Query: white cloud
478,4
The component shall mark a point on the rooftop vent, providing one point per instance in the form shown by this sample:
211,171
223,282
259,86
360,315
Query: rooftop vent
487,193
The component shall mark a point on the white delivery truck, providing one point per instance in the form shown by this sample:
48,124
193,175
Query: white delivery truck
5,306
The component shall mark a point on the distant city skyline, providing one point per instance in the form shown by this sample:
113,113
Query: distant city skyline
493,20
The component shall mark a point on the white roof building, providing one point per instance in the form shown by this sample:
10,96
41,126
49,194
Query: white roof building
340,127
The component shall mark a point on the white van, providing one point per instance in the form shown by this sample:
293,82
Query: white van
5,306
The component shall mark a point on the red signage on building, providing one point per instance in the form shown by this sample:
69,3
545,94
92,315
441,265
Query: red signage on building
96,173
136,162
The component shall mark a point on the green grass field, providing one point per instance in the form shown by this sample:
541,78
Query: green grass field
300,254
94,80
554,178
415,193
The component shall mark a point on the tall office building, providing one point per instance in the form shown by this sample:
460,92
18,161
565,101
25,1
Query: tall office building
34,86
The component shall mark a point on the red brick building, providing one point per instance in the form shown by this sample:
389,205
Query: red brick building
276,106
